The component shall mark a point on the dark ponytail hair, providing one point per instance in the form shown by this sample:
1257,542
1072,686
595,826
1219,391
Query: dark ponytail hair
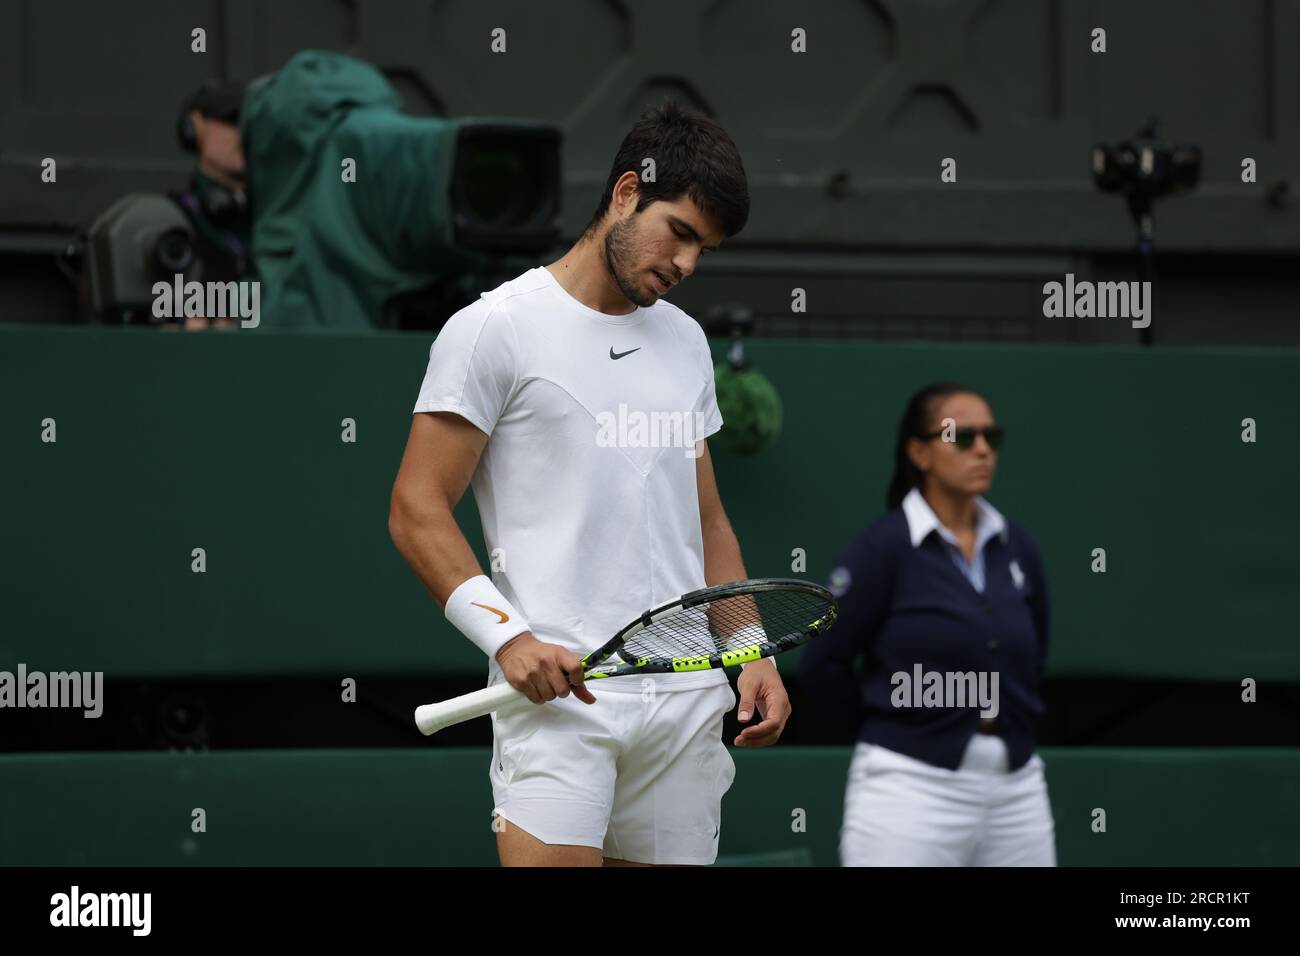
916,421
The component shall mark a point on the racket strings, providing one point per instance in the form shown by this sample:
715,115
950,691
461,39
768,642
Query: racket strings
731,623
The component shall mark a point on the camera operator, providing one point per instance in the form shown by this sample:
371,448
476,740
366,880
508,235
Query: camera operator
215,200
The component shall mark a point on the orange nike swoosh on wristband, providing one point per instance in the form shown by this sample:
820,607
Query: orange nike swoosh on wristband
504,616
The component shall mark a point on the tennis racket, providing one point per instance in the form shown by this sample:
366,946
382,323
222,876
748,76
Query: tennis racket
713,627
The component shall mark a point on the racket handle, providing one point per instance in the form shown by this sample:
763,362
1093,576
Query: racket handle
431,718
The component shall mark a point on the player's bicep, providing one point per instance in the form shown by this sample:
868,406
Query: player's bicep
442,451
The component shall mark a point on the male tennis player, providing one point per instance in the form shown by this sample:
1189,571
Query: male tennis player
538,394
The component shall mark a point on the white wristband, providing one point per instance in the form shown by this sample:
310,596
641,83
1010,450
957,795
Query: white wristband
482,613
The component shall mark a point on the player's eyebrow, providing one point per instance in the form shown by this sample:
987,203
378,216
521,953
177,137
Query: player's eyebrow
693,234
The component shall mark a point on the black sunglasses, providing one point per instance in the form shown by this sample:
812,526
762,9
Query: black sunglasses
965,436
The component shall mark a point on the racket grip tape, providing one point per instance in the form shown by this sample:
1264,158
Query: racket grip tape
431,718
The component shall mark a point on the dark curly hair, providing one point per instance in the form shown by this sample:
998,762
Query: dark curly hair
693,157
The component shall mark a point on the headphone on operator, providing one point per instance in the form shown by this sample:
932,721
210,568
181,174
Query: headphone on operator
186,134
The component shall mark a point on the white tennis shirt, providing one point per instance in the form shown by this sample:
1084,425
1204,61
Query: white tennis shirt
586,488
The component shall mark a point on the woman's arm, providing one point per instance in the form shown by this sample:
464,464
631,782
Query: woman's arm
863,580
1039,603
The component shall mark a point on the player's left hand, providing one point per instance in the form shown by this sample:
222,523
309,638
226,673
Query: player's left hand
760,688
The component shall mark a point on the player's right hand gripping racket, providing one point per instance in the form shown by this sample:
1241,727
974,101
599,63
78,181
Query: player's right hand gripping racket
713,627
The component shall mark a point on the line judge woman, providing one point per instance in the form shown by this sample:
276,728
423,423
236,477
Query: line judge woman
945,582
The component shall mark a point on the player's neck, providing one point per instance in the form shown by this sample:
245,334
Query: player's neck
582,273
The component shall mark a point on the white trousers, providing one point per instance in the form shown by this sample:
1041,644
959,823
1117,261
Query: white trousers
899,811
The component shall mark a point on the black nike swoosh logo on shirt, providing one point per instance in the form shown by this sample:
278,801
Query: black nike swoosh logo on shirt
618,355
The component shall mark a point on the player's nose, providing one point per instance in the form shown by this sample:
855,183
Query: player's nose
685,264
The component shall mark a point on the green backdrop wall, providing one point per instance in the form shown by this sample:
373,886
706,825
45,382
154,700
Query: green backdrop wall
433,807
231,442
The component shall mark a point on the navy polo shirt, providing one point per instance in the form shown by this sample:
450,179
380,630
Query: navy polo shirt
907,601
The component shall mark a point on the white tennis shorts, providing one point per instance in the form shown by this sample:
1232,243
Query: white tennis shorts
899,811
640,776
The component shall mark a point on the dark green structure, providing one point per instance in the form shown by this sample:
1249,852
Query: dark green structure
233,443
433,807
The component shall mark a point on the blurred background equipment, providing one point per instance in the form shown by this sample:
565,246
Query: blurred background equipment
749,403
1142,170
355,203
351,214
139,240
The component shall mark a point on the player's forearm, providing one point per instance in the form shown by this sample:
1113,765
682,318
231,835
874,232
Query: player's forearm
722,561
433,545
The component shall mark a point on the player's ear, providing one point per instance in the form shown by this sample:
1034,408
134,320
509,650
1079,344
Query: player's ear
626,193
